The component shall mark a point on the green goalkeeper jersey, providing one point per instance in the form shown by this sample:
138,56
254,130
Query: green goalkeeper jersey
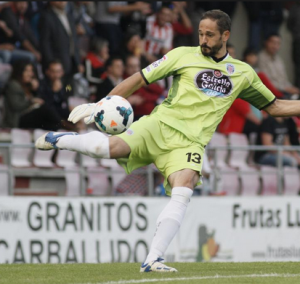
203,90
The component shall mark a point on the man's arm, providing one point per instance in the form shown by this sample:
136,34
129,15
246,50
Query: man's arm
128,86
284,108
124,89
252,117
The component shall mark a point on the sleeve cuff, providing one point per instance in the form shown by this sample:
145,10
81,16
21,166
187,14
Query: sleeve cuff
144,77
268,104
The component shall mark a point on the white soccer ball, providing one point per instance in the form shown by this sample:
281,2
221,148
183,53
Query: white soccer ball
113,115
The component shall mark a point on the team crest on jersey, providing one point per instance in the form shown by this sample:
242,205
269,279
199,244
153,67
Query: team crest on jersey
230,68
129,131
156,63
213,83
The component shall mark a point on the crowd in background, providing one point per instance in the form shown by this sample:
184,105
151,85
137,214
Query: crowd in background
51,52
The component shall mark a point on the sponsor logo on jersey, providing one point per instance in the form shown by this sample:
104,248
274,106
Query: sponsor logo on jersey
218,73
230,68
155,64
213,83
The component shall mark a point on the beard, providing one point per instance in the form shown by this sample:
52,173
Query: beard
211,51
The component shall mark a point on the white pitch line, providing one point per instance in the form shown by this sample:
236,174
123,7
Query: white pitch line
197,278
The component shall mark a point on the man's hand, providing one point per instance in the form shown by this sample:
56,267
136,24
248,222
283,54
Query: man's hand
37,55
85,111
57,85
7,46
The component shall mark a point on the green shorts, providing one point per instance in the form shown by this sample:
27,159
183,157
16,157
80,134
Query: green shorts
152,141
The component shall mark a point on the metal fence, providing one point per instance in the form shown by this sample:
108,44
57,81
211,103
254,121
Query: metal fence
60,172
279,166
55,172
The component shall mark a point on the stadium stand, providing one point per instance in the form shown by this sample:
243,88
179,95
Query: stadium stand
250,181
219,139
72,176
291,182
269,180
98,183
20,157
249,176
4,180
238,158
42,159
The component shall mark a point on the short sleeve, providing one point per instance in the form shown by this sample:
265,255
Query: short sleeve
162,68
256,93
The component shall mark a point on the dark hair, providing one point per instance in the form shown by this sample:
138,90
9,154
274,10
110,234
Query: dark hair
128,56
269,35
130,35
97,44
222,19
111,59
18,69
249,51
165,5
54,61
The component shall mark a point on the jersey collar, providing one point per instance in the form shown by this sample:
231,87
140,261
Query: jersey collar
219,59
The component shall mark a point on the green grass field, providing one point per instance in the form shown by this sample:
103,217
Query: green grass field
127,273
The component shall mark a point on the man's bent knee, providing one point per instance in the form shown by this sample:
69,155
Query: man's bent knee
184,178
118,148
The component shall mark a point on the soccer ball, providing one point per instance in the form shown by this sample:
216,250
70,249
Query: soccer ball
113,115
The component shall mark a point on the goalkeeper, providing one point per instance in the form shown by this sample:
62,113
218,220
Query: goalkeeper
206,81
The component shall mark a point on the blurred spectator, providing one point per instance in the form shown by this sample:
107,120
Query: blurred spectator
182,25
134,45
231,50
195,12
84,25
159,34
33,14
271,63
53,92
135,22
5,72
227,6
250,56
292,124
293,24
144,99
108,16
18,17
58,39
235,118
12,40
264,18
95,60
23,109
114,70
274,131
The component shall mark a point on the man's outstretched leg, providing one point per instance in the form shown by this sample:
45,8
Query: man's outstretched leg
170,219
94,144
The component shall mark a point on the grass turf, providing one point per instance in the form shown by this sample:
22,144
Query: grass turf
126,273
